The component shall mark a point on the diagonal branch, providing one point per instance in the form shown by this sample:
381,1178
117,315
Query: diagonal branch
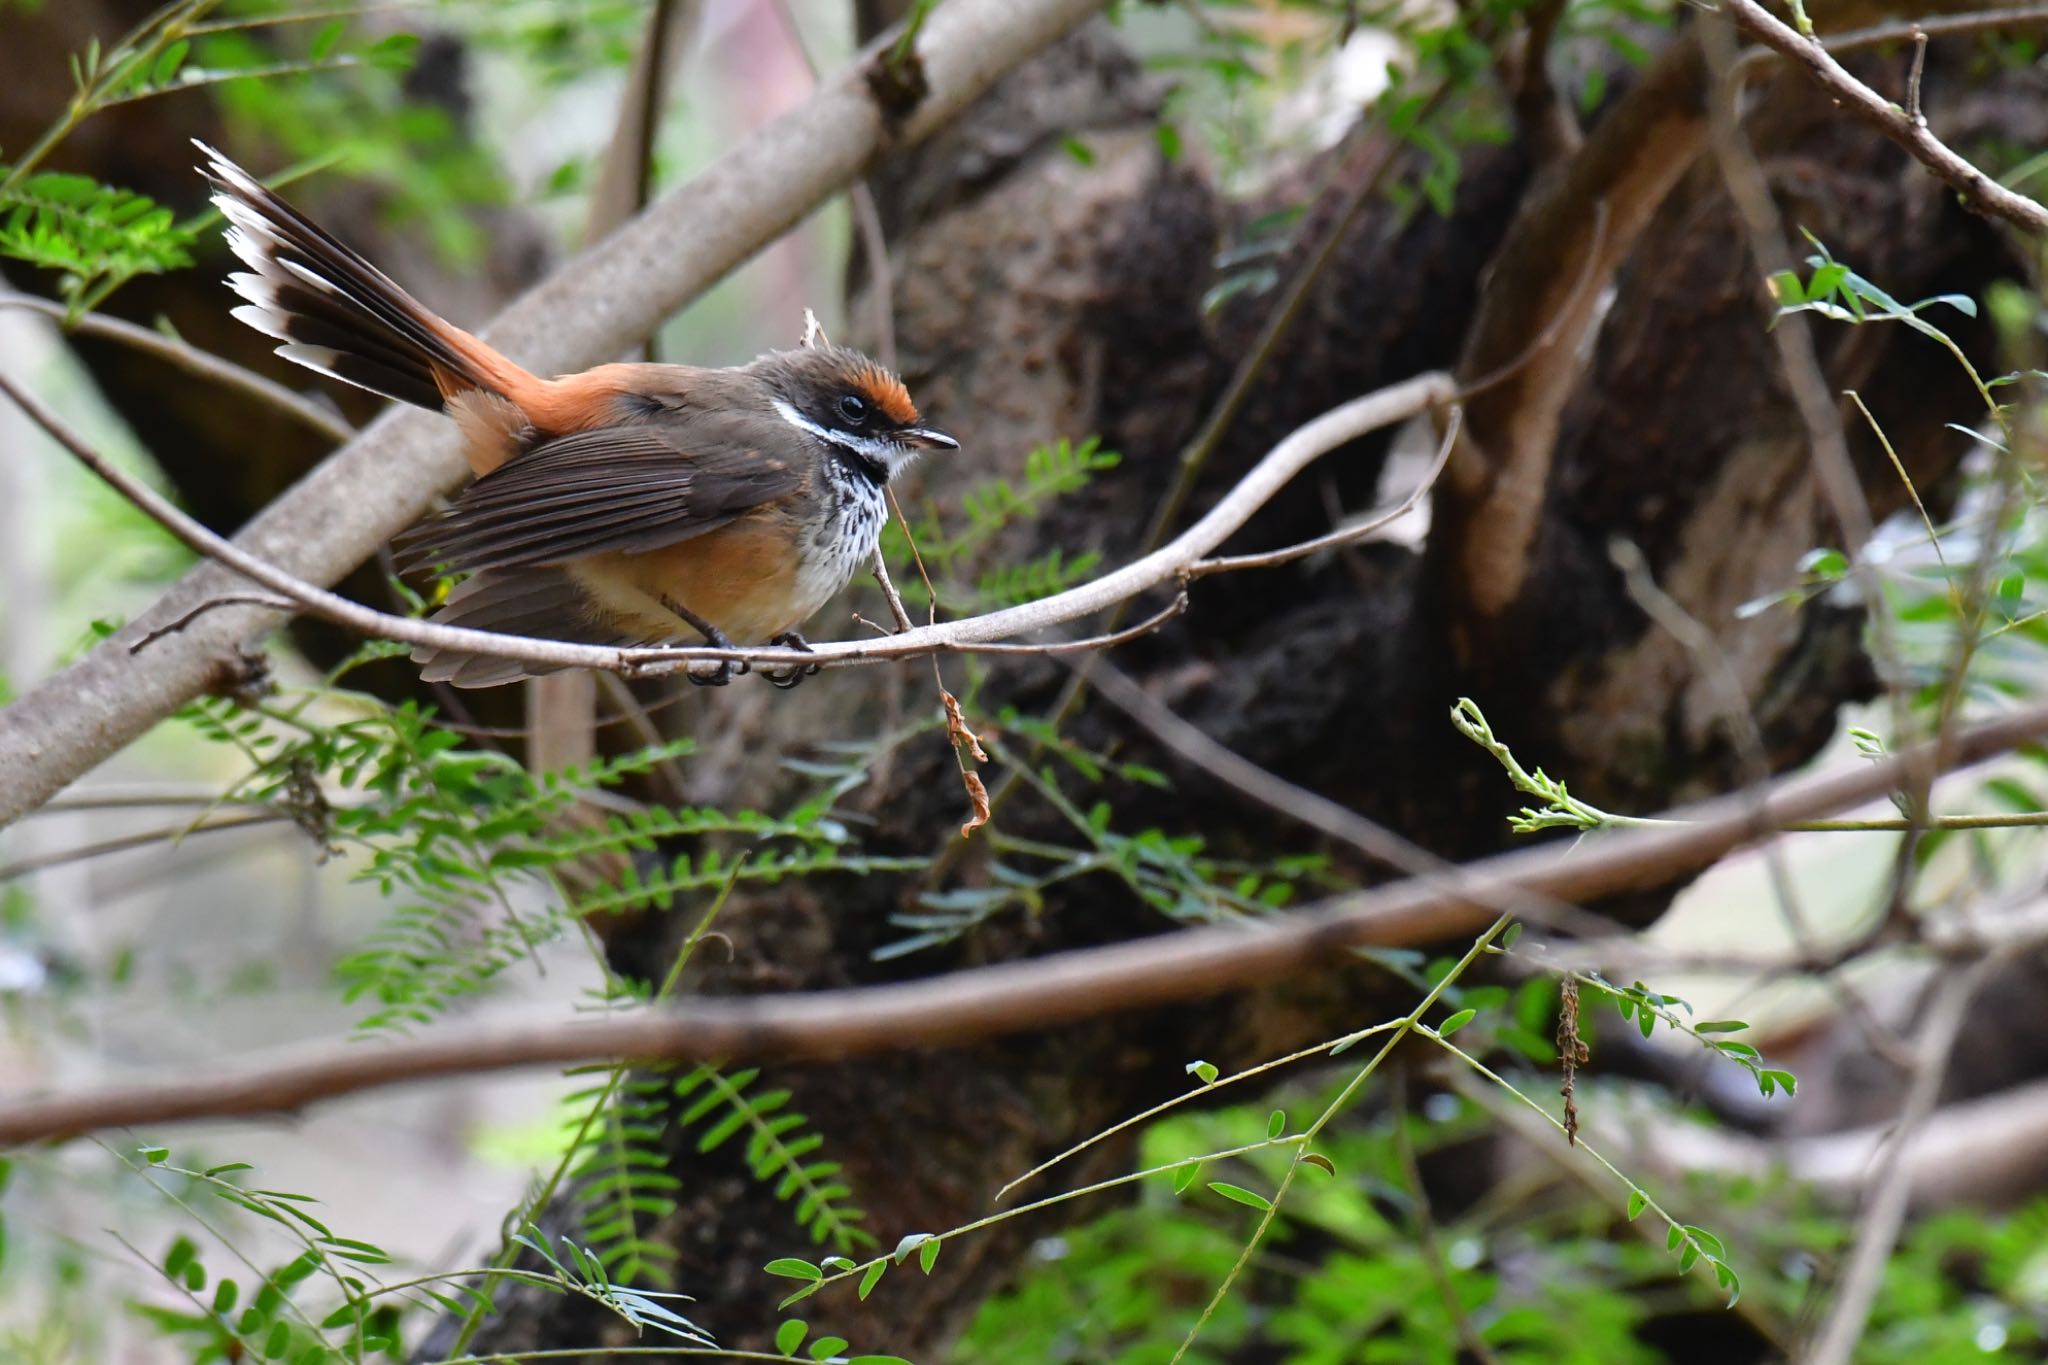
609,297
1032,995
1978,190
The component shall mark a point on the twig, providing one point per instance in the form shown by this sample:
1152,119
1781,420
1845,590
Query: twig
1540,111
1878,1230
1349,534
233,599
1913,80
1038,994
1295,452
193,361
60,857
1297,803
1978,190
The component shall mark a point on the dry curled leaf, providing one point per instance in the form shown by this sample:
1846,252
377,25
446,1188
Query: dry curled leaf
1572,1053
966,751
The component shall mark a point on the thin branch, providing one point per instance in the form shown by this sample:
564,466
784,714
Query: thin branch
128,842
1346,535
608,298
1978,190
193,361
1297,803
1878,1229
1016,997
1294,453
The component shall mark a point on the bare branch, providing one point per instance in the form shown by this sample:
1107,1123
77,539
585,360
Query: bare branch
1978,190
1042,993
1885,1211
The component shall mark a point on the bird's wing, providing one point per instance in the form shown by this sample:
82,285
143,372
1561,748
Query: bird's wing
625,489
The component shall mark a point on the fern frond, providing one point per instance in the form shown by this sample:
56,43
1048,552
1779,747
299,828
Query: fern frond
709,870
96,236
619,1176
779,1145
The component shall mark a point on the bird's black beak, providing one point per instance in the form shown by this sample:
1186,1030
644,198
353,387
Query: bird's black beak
927,438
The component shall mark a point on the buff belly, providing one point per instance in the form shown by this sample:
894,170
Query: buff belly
747,578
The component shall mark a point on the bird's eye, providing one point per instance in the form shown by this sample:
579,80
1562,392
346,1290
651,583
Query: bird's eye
853,409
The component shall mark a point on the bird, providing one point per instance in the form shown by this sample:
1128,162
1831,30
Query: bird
629,504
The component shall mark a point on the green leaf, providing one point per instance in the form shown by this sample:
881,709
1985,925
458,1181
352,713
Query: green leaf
1720,1026
168,61
1455,1022
179,1256
1185,1176
1240,1194
791,1335
1319,1161
928,1255
1637,1202
872,1278
1673,1238
396,52
824,1348
324,41
156,1156
1276,1124
794,1268
1204,1071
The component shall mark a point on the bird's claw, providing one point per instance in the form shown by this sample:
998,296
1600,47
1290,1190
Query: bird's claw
790,677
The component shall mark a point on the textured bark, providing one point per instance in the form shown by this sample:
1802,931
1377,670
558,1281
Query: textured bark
1035,297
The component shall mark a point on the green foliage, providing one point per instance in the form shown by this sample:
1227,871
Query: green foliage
1052,471
779,1151
1174,874
95,237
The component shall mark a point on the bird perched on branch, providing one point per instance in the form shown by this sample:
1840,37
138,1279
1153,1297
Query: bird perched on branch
625,505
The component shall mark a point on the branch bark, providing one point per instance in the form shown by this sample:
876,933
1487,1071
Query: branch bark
1036,995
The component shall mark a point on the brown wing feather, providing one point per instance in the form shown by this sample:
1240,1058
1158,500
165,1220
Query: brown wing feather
616,490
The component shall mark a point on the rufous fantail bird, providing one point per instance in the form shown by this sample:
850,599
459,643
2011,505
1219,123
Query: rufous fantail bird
626,505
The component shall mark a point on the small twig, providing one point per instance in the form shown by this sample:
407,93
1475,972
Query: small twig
1349,534
210,604
61,857
1885,1213
1913,79
1978,190
1297,803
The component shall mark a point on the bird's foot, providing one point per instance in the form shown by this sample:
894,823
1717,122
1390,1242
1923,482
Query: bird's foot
790,677
727,669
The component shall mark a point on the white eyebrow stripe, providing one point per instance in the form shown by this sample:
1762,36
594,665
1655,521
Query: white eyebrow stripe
874,448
